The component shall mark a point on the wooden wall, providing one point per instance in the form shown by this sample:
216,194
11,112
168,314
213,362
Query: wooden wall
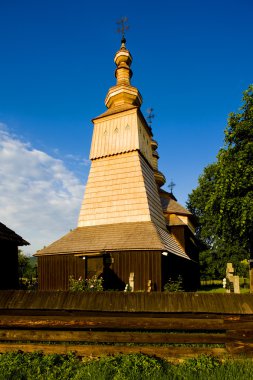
179,233
9,265
174,266
189,270
146,265
54,271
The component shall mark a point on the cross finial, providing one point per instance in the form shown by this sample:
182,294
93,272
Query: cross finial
171,185
150,116
122,27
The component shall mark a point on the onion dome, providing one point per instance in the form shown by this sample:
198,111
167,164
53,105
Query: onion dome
159,177
123,92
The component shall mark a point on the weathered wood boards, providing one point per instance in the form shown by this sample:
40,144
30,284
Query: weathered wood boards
157,302
176,326
125,321
177,353
112,337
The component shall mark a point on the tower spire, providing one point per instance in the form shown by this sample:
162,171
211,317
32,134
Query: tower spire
122,28
123,93
123,61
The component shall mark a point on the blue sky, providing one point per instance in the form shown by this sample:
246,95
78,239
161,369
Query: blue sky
191,62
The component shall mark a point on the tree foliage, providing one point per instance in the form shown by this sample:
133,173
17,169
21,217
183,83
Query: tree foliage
232,200
223,200
26,265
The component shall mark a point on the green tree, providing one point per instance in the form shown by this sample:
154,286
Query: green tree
223,200
27,266
197,204
23,263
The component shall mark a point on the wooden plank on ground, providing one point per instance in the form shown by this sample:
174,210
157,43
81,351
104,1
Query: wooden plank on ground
101,313
113,323
240,335
240,348
92,322
176,353
240,342
115,337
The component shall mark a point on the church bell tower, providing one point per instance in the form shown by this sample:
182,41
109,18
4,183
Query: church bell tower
121,187
122,233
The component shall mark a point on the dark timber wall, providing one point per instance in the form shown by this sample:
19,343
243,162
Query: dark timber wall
54,271
146,265
9,265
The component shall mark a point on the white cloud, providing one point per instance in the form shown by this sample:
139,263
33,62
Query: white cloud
78,159
39,197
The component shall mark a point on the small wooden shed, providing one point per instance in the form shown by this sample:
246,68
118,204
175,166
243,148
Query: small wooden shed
9,243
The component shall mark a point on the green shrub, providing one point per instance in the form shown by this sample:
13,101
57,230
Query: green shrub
174,285
93,284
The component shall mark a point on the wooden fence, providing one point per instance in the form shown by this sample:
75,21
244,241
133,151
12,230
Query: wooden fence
173,326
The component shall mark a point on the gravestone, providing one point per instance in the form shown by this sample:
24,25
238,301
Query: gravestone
233,282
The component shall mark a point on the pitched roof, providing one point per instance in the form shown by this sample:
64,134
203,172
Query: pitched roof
114,237
172,207
114,110
174,220
7,234
167,194
170,243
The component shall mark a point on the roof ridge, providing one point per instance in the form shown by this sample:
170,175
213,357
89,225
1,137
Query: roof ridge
7,234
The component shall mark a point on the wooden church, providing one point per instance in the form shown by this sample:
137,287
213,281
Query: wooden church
129,229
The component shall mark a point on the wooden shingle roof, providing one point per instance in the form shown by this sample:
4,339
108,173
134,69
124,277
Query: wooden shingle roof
114,237
172,207
174,220
114,110
7,234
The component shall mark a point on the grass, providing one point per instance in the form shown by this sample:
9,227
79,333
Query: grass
219,290
215,286
21,366
211,289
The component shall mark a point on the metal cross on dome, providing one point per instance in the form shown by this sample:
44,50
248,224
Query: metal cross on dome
123,27
171,185
150,116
